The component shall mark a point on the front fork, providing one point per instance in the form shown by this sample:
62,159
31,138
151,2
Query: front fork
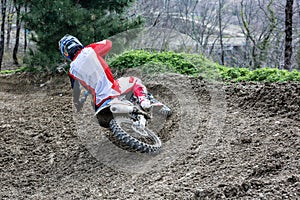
141,121
139,125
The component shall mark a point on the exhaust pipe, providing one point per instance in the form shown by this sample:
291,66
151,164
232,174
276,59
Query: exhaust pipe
121,109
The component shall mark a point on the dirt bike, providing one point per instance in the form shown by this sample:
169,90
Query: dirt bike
128,122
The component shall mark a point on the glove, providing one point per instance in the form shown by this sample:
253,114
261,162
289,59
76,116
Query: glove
78,105
145,104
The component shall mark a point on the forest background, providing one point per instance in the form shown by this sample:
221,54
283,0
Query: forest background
237,33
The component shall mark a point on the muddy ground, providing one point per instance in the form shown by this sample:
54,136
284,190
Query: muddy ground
224,140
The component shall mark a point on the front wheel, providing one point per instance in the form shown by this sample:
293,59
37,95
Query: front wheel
137,138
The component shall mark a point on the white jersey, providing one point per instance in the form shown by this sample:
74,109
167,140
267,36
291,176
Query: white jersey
93,73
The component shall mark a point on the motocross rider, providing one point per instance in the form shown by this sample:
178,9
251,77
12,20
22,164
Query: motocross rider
89,69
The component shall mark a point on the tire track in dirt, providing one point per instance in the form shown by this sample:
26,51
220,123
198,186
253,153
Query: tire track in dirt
254,152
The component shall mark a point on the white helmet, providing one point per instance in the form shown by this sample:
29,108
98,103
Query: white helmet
69,45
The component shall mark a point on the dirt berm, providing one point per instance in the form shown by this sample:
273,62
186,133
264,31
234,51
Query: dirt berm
224,140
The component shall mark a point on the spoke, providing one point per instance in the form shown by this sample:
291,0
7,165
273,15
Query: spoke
135,130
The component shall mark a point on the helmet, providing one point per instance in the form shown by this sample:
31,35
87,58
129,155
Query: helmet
69,45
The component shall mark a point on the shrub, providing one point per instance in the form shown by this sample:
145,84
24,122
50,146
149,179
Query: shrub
197,65
263,74
138,58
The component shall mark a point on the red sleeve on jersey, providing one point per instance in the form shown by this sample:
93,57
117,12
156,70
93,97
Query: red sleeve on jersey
102,48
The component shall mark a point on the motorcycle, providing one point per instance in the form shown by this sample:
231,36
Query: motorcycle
128,122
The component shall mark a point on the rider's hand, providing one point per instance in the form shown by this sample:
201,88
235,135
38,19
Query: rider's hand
145,103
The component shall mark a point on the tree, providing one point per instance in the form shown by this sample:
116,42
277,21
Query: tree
221,4
202,23
3,15
297,34
25,30
258,25
89,20
18,23
288,51
10,16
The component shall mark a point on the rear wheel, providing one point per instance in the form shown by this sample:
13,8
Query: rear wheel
131,135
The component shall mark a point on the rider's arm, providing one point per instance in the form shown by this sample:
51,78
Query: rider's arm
103,47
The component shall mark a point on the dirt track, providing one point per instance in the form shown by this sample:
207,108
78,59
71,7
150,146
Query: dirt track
243,143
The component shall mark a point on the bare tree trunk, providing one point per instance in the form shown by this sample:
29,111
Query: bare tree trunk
258,25
25,31
3,14
247,32
16,47
9,23
221,31
288,51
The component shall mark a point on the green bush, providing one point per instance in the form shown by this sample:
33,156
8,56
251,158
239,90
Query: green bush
263,74
292,76
197,65
188,64
130,59
228,73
